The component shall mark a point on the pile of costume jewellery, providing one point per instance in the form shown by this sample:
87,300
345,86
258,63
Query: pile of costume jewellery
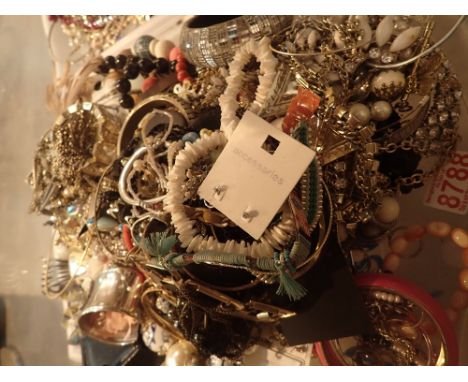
138,252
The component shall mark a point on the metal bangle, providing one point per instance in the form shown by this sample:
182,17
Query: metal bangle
214,43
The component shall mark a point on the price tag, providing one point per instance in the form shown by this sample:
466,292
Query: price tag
255,173
449,189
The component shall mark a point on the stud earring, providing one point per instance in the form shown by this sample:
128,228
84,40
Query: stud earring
219,192
249,214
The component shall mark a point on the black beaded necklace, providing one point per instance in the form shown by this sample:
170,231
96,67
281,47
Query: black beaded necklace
129,67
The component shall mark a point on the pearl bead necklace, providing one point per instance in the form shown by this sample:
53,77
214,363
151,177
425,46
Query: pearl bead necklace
228,101
439,229
275,237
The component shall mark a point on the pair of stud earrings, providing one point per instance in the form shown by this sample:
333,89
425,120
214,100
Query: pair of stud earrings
248,214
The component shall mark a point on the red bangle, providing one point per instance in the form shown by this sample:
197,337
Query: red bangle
329,355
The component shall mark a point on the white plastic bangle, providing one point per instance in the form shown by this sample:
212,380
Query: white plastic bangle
274,238
228,101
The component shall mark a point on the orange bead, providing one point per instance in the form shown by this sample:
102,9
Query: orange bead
174,53
181,65
399,244
415,232
302,107
182,75
414,247
463,279
452,315
460,237
391,262
438,229
127,237
465,257
459,300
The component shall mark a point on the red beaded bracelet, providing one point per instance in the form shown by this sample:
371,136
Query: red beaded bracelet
399,244
181,66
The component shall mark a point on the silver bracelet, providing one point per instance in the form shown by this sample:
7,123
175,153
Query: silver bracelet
211,41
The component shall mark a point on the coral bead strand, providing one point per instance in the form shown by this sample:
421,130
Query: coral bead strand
439,229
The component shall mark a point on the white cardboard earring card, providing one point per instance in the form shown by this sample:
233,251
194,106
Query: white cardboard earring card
248,182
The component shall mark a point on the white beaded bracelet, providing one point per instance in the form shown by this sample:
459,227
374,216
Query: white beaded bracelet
274,238
228,101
